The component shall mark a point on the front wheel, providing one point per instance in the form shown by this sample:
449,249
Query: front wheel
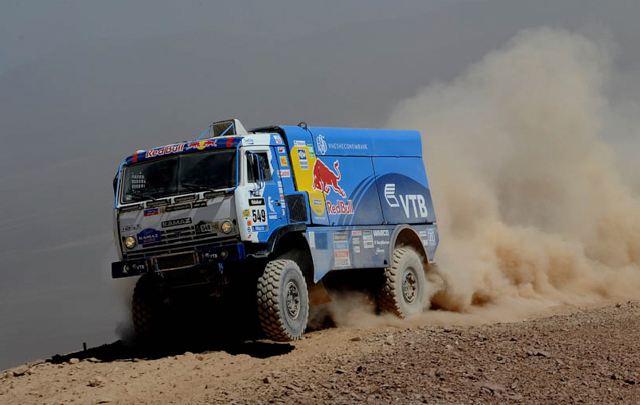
149,311
403,290
283,301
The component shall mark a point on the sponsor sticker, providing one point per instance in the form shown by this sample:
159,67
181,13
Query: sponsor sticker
367,239
178,207
341,258
341,246
260,228
256,201
184,198
148,236
356,249
150,212
278,139
129,228
302,157
322,144
201,145
246,213
341,249
175,222
159,203
281,149
199,204
356,233
413,205
431,236
340,207
285,173
130,208
312,154
298,142
326,179
165,150
340,237
283,161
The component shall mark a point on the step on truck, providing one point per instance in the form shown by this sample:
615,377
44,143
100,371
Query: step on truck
271,212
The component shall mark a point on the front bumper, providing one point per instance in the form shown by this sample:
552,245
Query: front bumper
175,261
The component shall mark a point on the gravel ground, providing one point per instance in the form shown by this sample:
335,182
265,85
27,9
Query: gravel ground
586,356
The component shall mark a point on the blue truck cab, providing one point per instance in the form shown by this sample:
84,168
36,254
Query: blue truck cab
274,211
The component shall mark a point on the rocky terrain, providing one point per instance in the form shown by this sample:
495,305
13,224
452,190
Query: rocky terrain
587,355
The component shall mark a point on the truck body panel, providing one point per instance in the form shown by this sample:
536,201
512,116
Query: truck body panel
361,247
349,188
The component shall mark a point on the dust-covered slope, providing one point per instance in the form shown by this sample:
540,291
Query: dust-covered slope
584,356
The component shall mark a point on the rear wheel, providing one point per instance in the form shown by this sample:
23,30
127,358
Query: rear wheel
149,311
283,301
403,289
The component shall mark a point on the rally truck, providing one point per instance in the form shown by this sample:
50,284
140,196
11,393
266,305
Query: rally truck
272,212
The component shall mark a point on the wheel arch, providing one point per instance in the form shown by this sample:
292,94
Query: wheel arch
294,246
406,236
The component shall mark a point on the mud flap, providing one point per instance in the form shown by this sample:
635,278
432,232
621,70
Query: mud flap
318,294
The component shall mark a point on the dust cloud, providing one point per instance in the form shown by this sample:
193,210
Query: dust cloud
532,210
534,213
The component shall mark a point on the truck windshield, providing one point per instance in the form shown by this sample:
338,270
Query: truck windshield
179,174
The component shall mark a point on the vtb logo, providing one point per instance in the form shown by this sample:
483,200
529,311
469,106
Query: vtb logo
324,179
414,205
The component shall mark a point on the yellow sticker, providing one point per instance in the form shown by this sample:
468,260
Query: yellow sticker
246,213
283,161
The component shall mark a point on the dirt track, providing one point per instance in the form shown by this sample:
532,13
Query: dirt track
588,356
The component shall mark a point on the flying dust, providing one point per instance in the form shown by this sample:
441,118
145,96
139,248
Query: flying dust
533,212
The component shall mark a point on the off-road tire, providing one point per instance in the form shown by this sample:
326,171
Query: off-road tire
148,311
283,301
391,297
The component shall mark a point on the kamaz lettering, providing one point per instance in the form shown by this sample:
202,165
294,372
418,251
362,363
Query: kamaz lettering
266,215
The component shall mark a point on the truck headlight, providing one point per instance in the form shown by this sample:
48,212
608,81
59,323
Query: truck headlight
130,242
227,226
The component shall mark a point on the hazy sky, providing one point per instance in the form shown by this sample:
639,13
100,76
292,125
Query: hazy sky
85,83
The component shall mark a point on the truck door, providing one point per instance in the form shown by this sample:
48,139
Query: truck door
266,205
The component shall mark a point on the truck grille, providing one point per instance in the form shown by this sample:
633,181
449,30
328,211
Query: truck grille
176,261
179,240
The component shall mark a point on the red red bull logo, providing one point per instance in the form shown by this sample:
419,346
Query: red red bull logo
340,207
201,145
165,150
324,179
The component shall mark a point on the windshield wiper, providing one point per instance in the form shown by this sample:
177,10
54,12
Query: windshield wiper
196,187
139,194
